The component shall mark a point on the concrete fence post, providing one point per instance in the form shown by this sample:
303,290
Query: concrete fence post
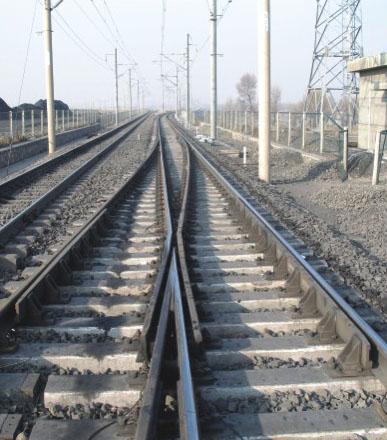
376,170
68,119
63,120
244,156
33,123
322,132
303,129
23,123
77,117
42,122
345,150
10,124
56,121
73,118
289,129
277,128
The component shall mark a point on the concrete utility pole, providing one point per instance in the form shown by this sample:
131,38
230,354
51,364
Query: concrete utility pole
142,100
214,69
177,92
188,71
49,77
264,89
116,74
130,93
138,96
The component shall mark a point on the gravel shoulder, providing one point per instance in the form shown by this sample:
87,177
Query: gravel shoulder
344,223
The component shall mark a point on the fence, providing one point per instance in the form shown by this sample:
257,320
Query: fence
312,132
380,150
22,125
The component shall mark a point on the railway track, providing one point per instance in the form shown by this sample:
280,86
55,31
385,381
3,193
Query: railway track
87,321
23,193
26,239
277,352
178,311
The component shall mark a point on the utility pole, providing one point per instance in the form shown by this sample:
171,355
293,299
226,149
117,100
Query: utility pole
116,74
115,54
188,100
177,92
264,89
49,76
214,69
138,96
130,93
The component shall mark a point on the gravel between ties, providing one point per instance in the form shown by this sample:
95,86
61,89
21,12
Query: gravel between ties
85,196
99,184
41,183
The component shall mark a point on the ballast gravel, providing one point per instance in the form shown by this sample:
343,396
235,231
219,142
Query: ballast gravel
290,401
41,182
77,204
344,223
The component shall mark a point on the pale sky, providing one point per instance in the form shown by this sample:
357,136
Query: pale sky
81,79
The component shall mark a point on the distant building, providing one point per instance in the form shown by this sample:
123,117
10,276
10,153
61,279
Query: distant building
372,98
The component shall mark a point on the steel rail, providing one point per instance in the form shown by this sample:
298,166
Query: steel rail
18,222
155,302
188,421
374,338
189,428
172,301
189,296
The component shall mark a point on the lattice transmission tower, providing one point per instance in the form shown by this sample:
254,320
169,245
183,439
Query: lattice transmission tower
338,39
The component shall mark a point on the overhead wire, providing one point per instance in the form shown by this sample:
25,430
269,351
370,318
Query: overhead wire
79,42
22,81
116,35
108,40
221,16
120,40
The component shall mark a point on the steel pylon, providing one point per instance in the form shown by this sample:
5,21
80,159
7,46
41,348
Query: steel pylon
338,39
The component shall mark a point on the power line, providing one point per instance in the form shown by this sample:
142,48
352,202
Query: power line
93,23
117,36
27,52
221,16
120,40
22,83
80,43
103,19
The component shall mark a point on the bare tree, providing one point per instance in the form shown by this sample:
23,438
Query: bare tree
247,91
276,94
229,105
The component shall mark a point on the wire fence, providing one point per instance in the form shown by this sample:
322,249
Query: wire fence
311,132
23,125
